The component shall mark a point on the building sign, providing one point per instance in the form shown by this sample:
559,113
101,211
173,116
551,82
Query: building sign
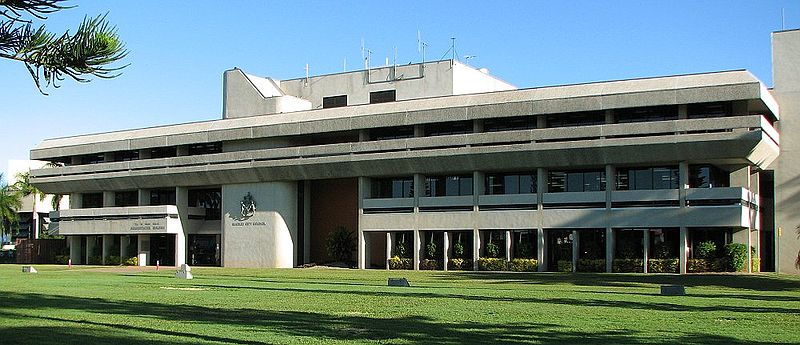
147,226
237,224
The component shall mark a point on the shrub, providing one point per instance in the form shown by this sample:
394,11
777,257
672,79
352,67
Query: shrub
401,250
460,264
756,265
398,263
661,250
698,265
430,265
458,250
523,265
492,264
131,261
95,260
564,265
662,265
736,253
525,250
112,260
628,265
430,249
340,245
706,250
61,259
492,250
591,265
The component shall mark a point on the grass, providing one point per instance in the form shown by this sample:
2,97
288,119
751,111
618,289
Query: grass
91,305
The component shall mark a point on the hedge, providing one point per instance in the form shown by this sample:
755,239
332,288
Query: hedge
492,264
460,264
591,265
523,265
398,263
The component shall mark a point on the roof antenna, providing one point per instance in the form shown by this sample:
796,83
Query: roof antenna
306,75
453,48
421,45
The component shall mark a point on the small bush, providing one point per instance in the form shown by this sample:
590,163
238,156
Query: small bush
523,265
698,265
460,264
430,265
341,244
431,249
628,265
591,265
131,261
401,250
736,253
61,259
112,260
756,265
662,265
492,264
398,263
95,260
564,265
458,250
492,250
706,250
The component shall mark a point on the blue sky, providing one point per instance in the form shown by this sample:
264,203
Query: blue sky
178,50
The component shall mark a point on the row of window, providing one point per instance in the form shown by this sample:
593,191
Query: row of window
667,177
374,98
157,152
210,199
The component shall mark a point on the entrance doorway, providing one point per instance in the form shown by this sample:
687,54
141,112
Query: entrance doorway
162,249
204,250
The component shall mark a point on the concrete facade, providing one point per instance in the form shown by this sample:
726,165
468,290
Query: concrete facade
457,164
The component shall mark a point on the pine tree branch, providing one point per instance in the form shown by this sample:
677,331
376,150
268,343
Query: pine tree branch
36,8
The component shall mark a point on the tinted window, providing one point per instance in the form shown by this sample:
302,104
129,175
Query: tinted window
334,101
382,96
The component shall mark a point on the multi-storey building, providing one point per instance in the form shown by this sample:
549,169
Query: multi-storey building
440,152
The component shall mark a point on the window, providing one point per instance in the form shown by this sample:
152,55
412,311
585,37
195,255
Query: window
122,156
92,200
205,148
93,158
382,96
386,133
127,198
708,176
163,152
576,181
583,118
647,114
510,183
706,110
448,128
647,178
395,187
162,197
448,185
509,123
210,199
334,101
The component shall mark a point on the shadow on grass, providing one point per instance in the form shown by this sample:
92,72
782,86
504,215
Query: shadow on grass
758,282
249,325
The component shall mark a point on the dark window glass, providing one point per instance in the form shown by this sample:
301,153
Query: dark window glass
334,101
708,176
576,181
647,114
210,199
448,128
584,118
647,178
205,148
127,198
382,96
93,158
122,156
395,187
509,123
162,197
706,110
510,183
448,185
163,152
92,200
387,133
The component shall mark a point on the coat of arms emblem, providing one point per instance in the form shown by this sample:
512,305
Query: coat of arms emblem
248,206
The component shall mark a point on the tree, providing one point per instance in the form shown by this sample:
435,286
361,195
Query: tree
10,202
24,187
89,52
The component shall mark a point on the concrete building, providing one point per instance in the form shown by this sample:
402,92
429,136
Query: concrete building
440,152
35,211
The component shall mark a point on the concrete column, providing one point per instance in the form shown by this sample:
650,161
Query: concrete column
75,249
575,249
144,197
75,200
123,247
509,240
109,199
143,249
477,126
541,188
182,203
107,243
540,246
683,253
610,247
646,249
182,150
367,250
307,221
419,191
91,242
417,248
363,135
145,154
389,246
609,116
682,112
445,249
361,248
476,247
541,121
477,190
419,131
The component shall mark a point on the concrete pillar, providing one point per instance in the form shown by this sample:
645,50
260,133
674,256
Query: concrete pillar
683,253
541,188
182,150
646,249
682,114
124,241
182,203
75,200
144,197
109,199
445,249
418,247
107,243
389,246
91,242
509,240
540,247
576,247
541,121
476,247
477,126
610,247
610,116
477,190
419,131
75,249
361,247
363,135
143,246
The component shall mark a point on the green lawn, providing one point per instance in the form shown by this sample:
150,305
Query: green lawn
88,305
